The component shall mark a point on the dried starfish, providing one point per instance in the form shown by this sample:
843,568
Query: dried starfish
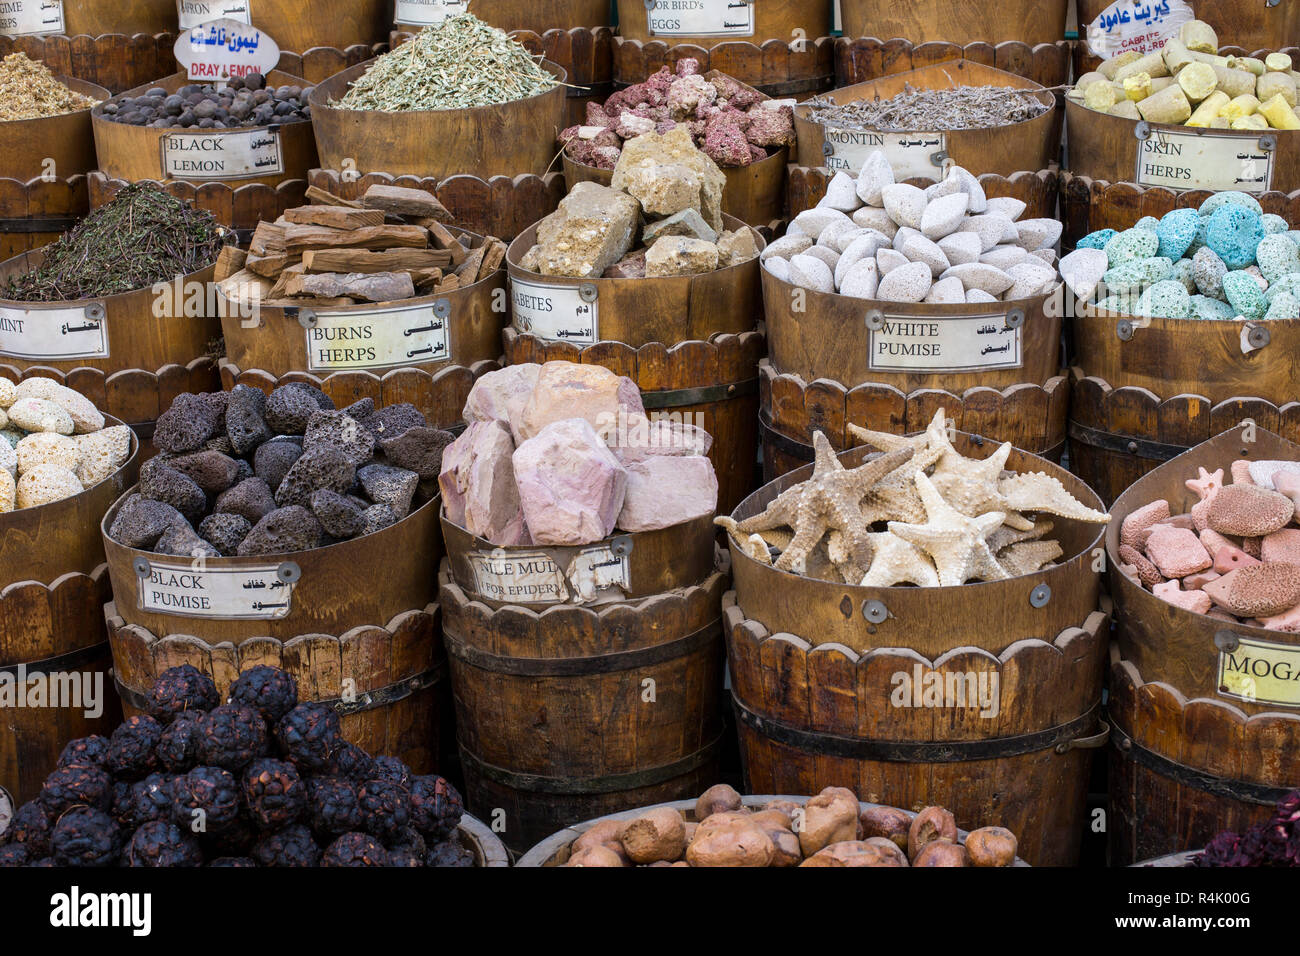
956,542
1035,491
1006,536
895,497
1028,556
971,484
752,545
895,561
837,550
927,451
828,500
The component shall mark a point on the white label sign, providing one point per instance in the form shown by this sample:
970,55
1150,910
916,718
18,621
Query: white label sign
379,338
556,313
221,49
23,18
701,18
534,577
53,334
1134,25
909,154
191,13
1214,161
1261,672
234,154
957,344
424,12
191,590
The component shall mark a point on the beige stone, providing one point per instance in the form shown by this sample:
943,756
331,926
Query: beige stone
102,453
590,231
675,146
736,247
8,393
44,484
40,415
7,492
47,448
664,189
680,256
688,222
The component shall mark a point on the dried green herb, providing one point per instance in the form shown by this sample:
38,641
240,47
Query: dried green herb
913,110
143,236
459,63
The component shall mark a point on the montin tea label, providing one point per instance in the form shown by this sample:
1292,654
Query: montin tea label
1178,159
424,12
378,338
909,154
907,343
53,334
702,18
189,589
237,154
23,18
193,12
1261,673
555,313
535,577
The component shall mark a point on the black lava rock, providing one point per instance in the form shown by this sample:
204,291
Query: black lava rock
212,470
231,737
339,430
276,795
131,748
308,734
163,483
141,521
184,541
290,407
269,690
225,531
246,425
320,467
378,517
291,846
272,461
163,843
392,420
385,485
182,690
187,424
283,531
339,515
355,849
251,499
418,449
86,837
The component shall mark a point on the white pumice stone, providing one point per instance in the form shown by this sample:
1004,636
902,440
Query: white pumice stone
786,246
921,249
875,175
947,291
809,272
905,204
841,193
989,227
825,253
870,217
1004,257
778,267
908,283
1082,269
890,259
829,235
904,233
861,280
961,247
1034,234
977,275
1031,279
1008,206
845,239
978,296
1047,255
813,221
943,215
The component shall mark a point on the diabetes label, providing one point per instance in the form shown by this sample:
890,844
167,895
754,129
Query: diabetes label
1261,673
424,12
556,313
700,18
25,18
905,343
188,589
214,156
382,338
535,577
909,154
193,12
53,334
1187,160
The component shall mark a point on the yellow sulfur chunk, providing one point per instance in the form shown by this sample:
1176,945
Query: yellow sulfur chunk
1243,105
1158,83
1253,121
1246,63
1125,108
1279,113
1275,83
1199,36
1168,106
1082,82
1209,108
1108,68
1153,64
1278,61
1137,87
1177,56
1198,80
1099,96
1220,122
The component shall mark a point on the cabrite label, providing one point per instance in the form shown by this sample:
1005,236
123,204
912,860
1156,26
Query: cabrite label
424,12
1261,673
379,338
974,343
23,18
909,154
193,12
238,154
702,18
1213,161
556,313
190,590
52,334
534,577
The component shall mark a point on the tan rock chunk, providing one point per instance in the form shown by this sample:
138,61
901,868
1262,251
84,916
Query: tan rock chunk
590,231
664,189
675,147
736,247
102,453
680,256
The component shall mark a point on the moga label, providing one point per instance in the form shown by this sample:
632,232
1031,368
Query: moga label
1261,673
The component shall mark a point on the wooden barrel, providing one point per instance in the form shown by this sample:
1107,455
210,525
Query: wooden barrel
33,213
806,185
509,15
299,24
52,146
1253,25
478,838
712,22
863,58
93,17
1029,21
116,61
1029,145
317,64
780,68
816,668
534,692
556,848
484,141
53,585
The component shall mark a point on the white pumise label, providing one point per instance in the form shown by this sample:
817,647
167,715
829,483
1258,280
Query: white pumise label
239,154
22,18
1261,672
1213,161
382,338
534,577
256,593
1141,27
424,12
53,334
958,344
556,313
193,12
700,18
909,154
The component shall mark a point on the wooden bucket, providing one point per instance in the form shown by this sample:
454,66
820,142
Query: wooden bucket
1029,21
863,58
1253,25
115,61
1030,145
317,64
556,848
779,68
134,153
536,16
61,146
302,24
476,837
484,141
53,585
33,213
534,691
814,668
718,21
241,207
806,185
94,17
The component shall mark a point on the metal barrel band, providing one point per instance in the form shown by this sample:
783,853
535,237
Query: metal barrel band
610,783
704,395
583,666
46,224
59,663
1065,736
1242,790
1126,444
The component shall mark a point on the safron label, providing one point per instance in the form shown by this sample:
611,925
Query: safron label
906,343
193,12
909,154
425,12
1214,161
701,18
382,338
556,313
52,334
1261,673
242,154
189,589
25,18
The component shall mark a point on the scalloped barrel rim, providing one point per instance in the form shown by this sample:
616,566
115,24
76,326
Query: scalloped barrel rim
772,21
1030,21
541,16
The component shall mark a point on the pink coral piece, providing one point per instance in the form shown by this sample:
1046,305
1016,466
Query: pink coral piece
1206,483
1282,546
771,127
1176,551
1230,557
1141,519
1253,547
725,144
1198,602
687,66
1241,472
1200,514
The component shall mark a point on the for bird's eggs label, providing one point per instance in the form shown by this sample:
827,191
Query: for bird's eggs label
909,154
425,12
701,18
192,590
193,12
23,18
556,313
1189,159
54,334
1261,673
536,577
909,343
379,338
238,154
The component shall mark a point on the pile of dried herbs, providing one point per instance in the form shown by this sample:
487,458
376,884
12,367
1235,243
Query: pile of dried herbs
959,107
28,90
459,63
143,236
